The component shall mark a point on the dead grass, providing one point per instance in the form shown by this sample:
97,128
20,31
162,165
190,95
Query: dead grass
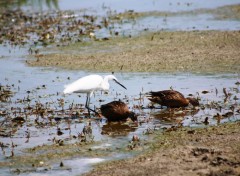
204,52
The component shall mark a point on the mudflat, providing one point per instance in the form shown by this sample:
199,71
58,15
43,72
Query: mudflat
184,151
211,150
183,51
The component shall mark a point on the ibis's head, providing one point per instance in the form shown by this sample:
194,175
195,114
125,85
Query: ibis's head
111,77
133,116
193,101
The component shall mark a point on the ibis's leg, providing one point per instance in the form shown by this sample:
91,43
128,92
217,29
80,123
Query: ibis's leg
87,105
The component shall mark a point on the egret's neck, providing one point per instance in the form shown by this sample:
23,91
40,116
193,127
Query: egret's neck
105,84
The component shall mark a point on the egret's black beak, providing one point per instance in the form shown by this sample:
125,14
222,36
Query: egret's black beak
119,83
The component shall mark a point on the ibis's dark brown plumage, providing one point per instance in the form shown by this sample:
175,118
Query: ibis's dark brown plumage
117,111
171,99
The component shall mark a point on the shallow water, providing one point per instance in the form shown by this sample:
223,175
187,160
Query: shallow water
133,26
122,5
192,21
45,86
179,22
21,78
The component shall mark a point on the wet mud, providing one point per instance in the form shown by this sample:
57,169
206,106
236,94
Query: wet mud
184,151
41,137
44,132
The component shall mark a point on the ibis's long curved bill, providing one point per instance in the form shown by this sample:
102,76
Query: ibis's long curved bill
120,84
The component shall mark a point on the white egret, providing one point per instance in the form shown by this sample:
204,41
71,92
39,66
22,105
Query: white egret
89,84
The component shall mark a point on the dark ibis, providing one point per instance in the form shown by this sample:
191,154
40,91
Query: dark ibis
117,111
171,99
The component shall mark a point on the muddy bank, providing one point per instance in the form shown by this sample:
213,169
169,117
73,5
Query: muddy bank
195,51
205,151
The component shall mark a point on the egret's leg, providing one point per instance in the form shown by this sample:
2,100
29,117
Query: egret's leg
87,105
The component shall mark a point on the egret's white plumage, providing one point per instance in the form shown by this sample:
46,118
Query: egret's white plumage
84,85
89,84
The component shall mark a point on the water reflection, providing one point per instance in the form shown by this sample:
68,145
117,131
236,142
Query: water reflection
118,129
167,116
37,5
